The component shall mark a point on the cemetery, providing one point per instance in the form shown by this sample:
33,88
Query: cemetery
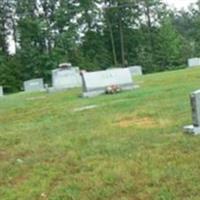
92,83
99,100
62,146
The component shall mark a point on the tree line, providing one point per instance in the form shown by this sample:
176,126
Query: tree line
93,34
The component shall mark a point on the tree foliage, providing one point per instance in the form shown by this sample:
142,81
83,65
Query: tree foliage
93,34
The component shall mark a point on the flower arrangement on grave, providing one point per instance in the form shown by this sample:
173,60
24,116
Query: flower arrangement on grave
112,89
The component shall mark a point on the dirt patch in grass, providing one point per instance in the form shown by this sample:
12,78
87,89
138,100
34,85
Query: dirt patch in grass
164,122
145,122
3,155
19,180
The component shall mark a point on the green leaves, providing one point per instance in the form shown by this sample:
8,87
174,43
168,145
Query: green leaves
93,34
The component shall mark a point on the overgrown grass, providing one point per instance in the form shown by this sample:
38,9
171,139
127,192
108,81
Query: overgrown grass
131,147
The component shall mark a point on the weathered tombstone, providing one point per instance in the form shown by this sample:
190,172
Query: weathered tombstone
195,104
135,70
194,62
66,77
96,83
34,85
1,91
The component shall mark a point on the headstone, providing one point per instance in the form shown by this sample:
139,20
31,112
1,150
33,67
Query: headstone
96,83
34,85
135,70
1,91
194,62
195,104
66,78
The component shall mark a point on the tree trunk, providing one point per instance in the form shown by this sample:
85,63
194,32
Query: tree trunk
149,24
112,43
121,39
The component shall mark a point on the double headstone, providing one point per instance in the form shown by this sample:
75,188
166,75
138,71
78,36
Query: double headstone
135,70
194,62
195,104
34,85
1,91
95,83
66,78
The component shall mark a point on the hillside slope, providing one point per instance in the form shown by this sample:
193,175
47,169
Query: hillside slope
130,146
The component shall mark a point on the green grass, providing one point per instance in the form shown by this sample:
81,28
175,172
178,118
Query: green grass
131,147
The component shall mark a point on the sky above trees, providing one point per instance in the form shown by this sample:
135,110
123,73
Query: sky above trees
180,3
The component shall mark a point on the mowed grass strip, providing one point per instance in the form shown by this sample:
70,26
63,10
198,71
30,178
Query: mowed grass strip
130,146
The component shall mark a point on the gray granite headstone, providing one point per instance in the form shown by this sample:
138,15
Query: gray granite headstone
95,83
194,62
1,91
135,70
195,105
34,85
66,78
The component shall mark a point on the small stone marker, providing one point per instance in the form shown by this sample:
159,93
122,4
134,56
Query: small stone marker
136,70
85,108
95,83
1,91
195,104
34,85
66,77
194,62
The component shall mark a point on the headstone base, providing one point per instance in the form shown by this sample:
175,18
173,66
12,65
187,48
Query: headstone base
191,129
57,90
54,90
102,91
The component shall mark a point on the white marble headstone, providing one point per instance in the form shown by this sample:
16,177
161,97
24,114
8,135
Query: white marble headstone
135,70
66,78
194,62
95,83
34,85
1,91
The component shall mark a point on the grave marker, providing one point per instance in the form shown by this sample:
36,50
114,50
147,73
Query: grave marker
195,104
34,85
96,83
66,78
1,91
194,62
136,70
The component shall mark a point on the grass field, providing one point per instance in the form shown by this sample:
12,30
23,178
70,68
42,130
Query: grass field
130,147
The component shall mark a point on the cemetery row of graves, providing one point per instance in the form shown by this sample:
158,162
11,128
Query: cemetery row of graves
93,83
109,81
129,145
